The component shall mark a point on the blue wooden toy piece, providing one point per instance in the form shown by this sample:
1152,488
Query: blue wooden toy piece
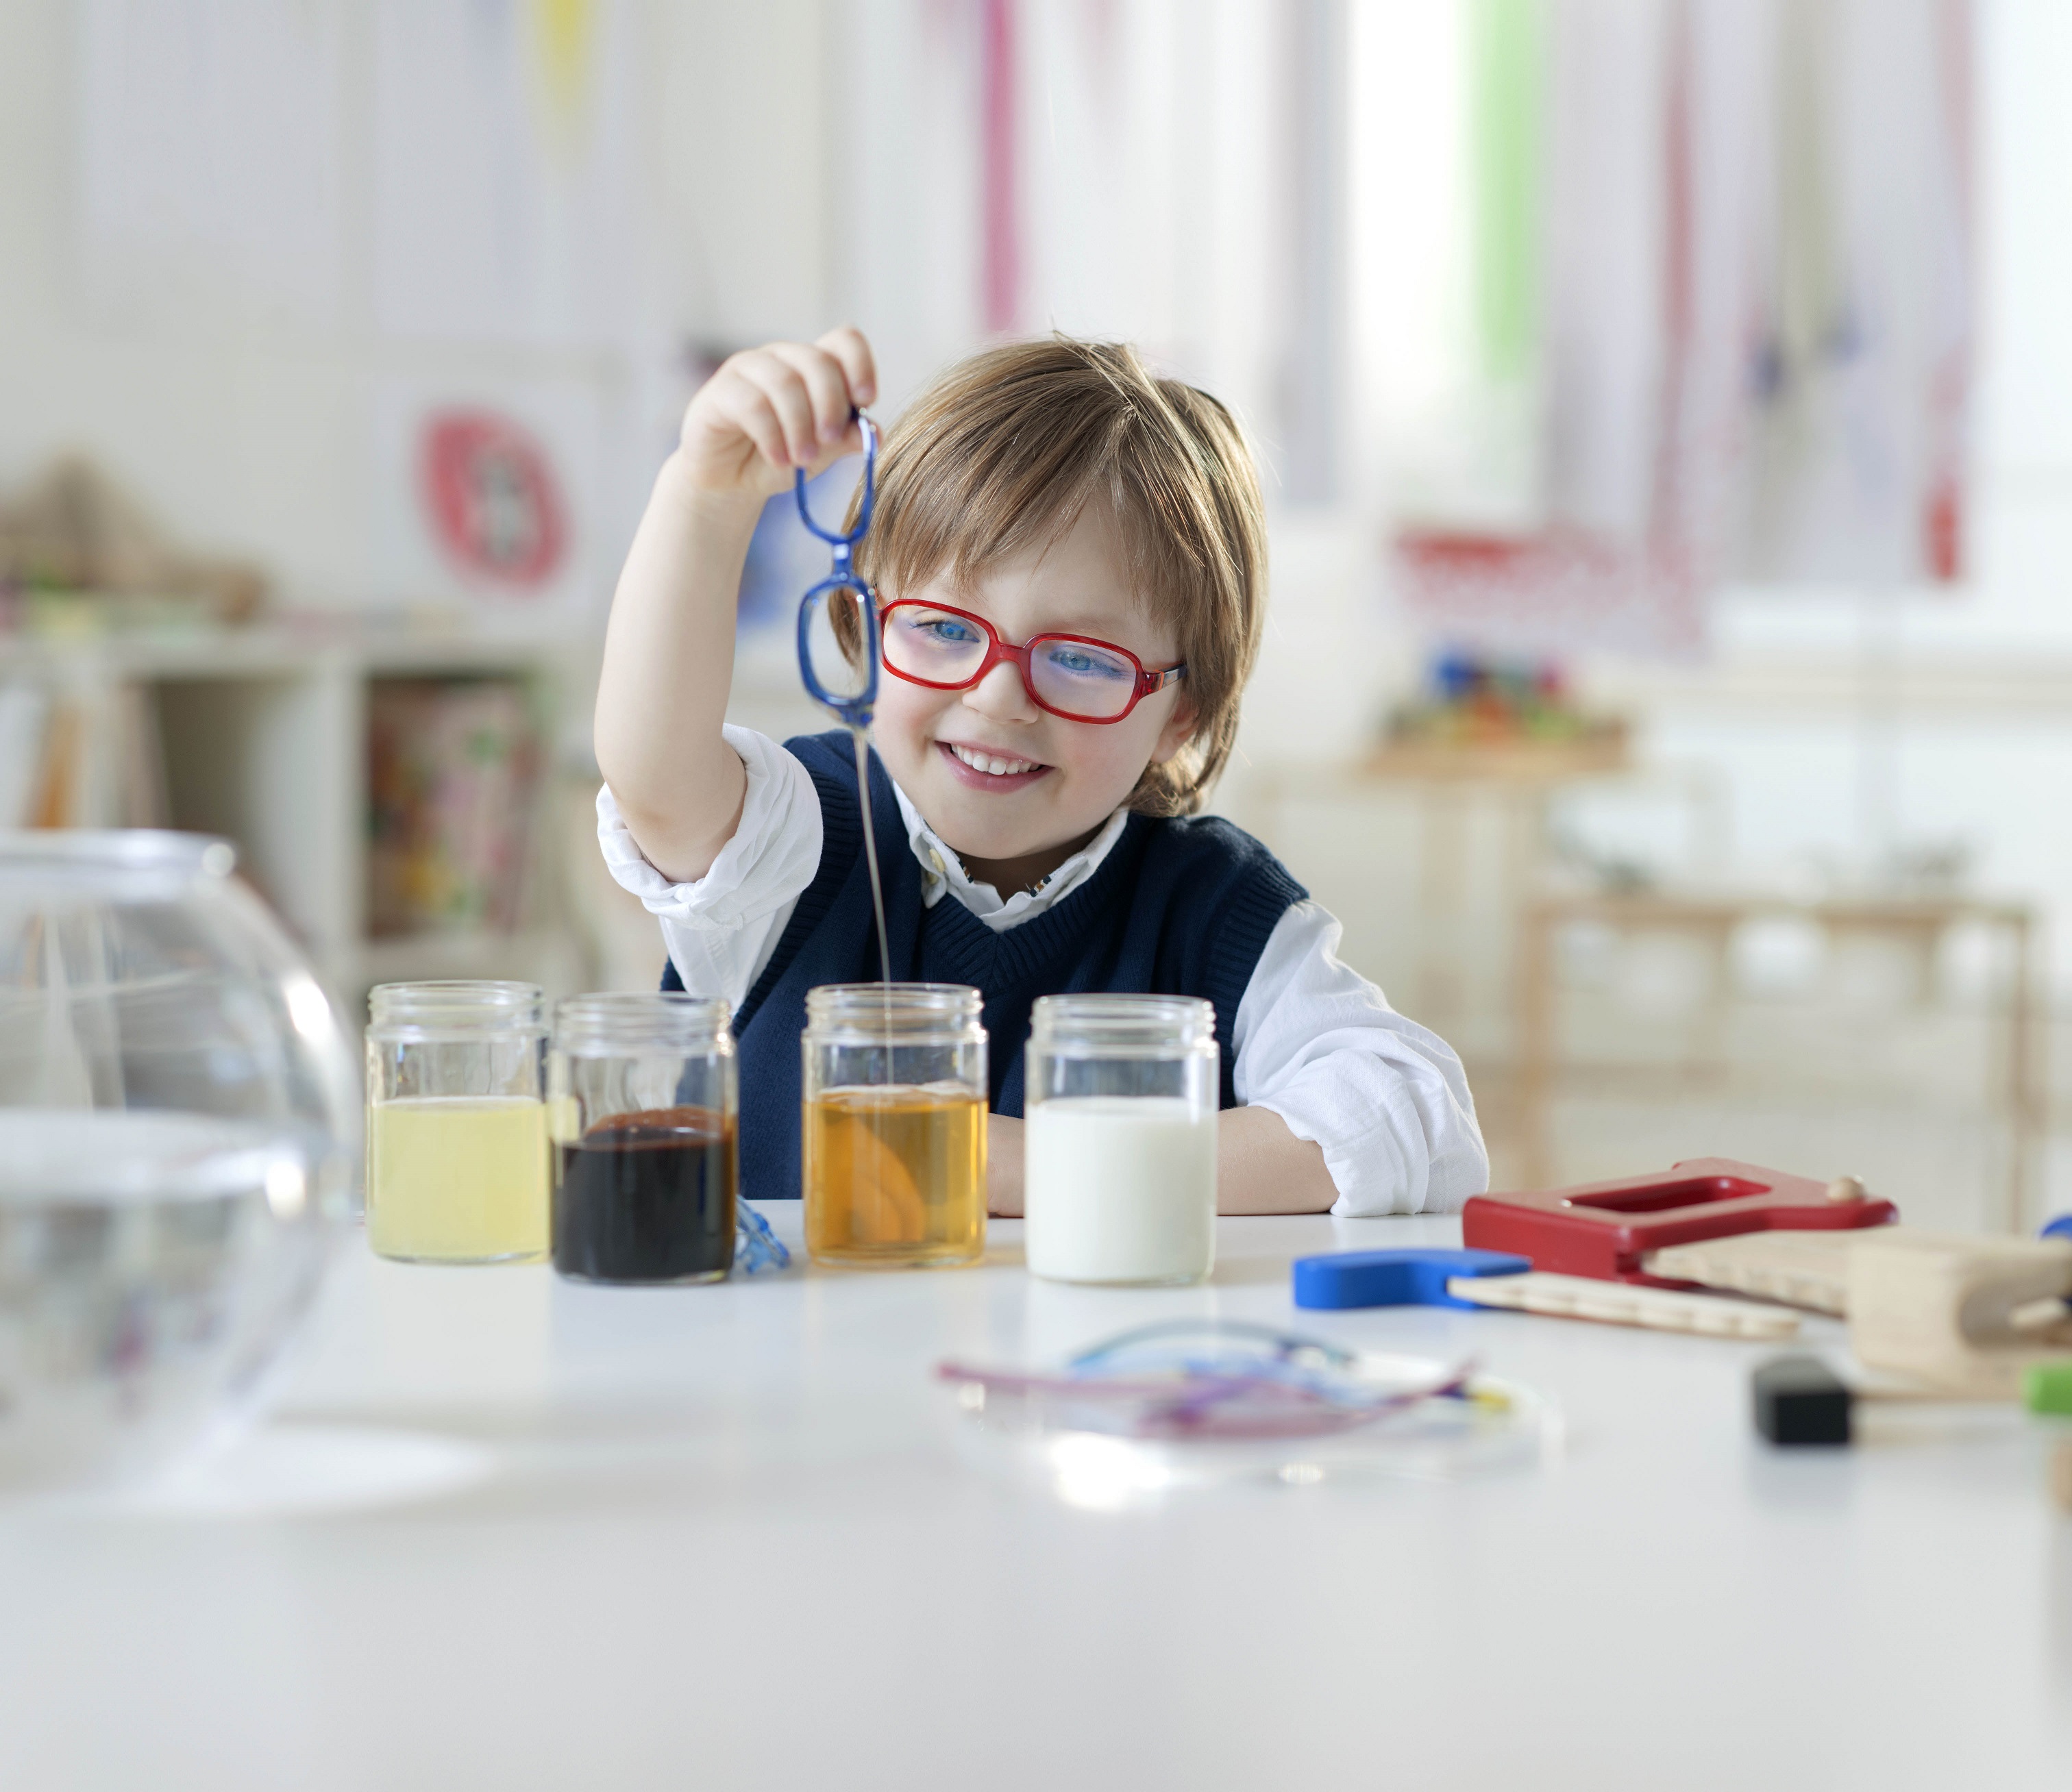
1395,1278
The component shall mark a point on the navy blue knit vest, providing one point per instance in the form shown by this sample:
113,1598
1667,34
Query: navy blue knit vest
1176,908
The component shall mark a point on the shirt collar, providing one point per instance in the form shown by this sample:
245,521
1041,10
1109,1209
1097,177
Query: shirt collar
942,872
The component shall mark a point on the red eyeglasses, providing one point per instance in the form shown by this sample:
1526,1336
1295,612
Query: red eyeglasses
1071,676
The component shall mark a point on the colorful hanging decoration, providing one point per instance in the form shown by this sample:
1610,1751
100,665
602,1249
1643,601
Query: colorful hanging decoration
1002,282
490,493
1719,280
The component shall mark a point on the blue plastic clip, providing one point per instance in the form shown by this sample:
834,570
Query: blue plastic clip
756,1249
1395,1278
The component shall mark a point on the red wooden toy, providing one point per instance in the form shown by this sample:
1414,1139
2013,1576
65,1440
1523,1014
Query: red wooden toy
1603,1229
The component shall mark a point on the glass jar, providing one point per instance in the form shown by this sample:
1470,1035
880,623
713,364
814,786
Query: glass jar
456,1122
179,1147
641,1096
892,1158
1120,1144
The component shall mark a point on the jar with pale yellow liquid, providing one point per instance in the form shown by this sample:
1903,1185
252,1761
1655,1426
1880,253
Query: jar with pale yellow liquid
456,1163
893,1156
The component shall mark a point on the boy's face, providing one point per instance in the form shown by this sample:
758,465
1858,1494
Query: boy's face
1066,778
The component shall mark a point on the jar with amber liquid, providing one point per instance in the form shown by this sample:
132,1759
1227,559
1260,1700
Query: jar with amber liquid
893,1156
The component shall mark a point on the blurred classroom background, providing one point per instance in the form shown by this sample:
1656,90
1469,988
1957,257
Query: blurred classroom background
1666,407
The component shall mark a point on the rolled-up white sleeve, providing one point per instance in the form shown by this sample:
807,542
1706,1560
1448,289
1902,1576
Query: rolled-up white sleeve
721,930
1385,1099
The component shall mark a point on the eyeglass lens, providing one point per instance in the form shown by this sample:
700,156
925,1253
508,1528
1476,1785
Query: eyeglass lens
1076,678
834,644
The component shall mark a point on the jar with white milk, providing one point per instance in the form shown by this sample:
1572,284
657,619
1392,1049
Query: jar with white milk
1121,1112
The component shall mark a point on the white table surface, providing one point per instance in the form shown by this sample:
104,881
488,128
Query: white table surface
505,1531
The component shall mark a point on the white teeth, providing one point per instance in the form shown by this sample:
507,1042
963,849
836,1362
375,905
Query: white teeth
999,768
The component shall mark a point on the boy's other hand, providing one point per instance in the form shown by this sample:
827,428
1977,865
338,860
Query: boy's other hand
770,411
1003,1166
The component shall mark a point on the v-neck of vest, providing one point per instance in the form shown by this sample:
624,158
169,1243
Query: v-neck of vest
972,952
977,953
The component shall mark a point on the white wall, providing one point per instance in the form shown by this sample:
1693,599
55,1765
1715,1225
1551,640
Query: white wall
256,435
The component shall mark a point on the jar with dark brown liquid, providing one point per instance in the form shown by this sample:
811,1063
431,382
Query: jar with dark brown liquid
642,1104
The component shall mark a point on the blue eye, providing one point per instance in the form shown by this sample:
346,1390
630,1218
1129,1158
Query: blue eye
1084,662
947,631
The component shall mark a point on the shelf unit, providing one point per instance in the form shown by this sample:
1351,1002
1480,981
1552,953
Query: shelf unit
262,736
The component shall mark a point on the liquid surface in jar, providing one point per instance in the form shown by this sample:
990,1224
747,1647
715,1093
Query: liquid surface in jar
894,1174
647,1197
457,1180
1121,1188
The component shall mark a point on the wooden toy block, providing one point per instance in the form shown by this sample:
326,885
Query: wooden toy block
1802,1269
1966,1316
2061,1477
1798,1399
1626,1304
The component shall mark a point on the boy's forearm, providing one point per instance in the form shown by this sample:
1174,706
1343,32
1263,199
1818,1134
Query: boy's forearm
668,665
1261,1167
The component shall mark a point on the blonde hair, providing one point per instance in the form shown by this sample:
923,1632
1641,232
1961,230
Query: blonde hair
1003,453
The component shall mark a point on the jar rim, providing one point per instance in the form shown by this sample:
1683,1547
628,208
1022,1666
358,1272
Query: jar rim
910,998
878,1010
455,1001
605,1022
1122,1022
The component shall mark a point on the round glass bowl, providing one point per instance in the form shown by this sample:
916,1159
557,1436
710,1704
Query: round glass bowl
179,1145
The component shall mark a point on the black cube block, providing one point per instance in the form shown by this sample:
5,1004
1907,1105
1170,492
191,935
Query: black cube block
1798,1399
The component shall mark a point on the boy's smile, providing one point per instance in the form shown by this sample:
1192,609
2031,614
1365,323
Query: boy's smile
1014,789
978,769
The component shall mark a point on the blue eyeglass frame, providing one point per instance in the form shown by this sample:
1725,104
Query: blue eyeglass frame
852,712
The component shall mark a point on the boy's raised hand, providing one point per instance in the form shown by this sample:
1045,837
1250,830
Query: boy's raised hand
771,411
668,649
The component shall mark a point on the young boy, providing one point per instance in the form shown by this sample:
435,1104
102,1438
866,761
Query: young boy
1068,556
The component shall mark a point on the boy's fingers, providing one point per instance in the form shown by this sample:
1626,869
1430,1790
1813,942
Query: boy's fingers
849,442
846,344
827,383
743,404
782,386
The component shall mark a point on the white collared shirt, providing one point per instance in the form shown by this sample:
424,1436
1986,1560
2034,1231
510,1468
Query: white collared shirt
942,872
1314,1041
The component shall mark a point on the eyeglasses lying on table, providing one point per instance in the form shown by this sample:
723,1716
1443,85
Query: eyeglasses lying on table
1071,676
1212,1380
